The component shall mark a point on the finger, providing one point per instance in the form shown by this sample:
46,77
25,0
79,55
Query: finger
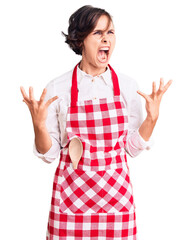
31,93
143,95
167,86
27,102
43,95
24,93
161,86
153,87
51,100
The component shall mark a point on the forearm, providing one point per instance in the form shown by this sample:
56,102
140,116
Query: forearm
43,140
147,127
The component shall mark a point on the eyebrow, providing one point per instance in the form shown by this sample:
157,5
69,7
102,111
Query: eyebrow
95,30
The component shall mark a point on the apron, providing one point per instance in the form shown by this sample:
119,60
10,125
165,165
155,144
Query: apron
94,201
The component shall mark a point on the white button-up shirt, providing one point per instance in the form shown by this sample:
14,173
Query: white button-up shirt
90,87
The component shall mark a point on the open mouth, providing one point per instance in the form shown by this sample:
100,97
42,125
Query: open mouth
103,54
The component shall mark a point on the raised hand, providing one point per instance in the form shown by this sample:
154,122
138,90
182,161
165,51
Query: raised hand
154,99
38,109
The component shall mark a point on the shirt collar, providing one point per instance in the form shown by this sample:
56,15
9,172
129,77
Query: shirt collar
106,76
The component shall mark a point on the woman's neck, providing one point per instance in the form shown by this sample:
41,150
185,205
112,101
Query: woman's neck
90,69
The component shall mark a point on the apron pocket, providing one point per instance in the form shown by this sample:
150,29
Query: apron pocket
85,192
81,191
117,191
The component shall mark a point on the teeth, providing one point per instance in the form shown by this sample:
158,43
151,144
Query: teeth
104,49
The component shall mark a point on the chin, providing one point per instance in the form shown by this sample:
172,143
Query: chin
102,66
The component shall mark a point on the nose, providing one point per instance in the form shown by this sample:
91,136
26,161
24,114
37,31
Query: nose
105,39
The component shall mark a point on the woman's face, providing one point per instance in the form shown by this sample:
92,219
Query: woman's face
99,44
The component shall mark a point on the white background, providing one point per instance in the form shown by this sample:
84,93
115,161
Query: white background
154,39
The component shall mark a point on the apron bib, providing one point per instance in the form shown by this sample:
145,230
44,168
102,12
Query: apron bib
94,201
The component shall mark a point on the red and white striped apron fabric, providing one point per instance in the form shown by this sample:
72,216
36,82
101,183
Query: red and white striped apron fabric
94,201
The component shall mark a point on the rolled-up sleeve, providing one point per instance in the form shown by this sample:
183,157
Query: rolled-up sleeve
135,144
52,127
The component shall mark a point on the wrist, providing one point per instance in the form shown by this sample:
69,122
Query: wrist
151,119
39,126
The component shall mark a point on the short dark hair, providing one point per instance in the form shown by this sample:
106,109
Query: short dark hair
81,23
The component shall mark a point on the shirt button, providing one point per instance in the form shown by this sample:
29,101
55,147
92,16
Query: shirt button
93,80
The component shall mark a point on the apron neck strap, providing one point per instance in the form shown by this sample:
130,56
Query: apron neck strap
115,81
74,88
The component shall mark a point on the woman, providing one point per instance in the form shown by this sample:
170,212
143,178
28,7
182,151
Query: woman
102,109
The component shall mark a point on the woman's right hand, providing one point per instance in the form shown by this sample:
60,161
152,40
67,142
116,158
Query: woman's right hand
38,109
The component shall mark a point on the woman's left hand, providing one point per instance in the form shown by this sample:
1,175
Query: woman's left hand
154,99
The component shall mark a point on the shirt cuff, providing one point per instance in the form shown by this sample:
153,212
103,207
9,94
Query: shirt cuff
141,143
50,155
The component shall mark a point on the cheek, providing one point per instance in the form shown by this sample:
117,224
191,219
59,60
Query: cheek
114,41
91,47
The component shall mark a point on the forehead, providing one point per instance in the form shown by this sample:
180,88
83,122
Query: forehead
104,23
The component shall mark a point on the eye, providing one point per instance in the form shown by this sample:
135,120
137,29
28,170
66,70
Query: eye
98,32
110,32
